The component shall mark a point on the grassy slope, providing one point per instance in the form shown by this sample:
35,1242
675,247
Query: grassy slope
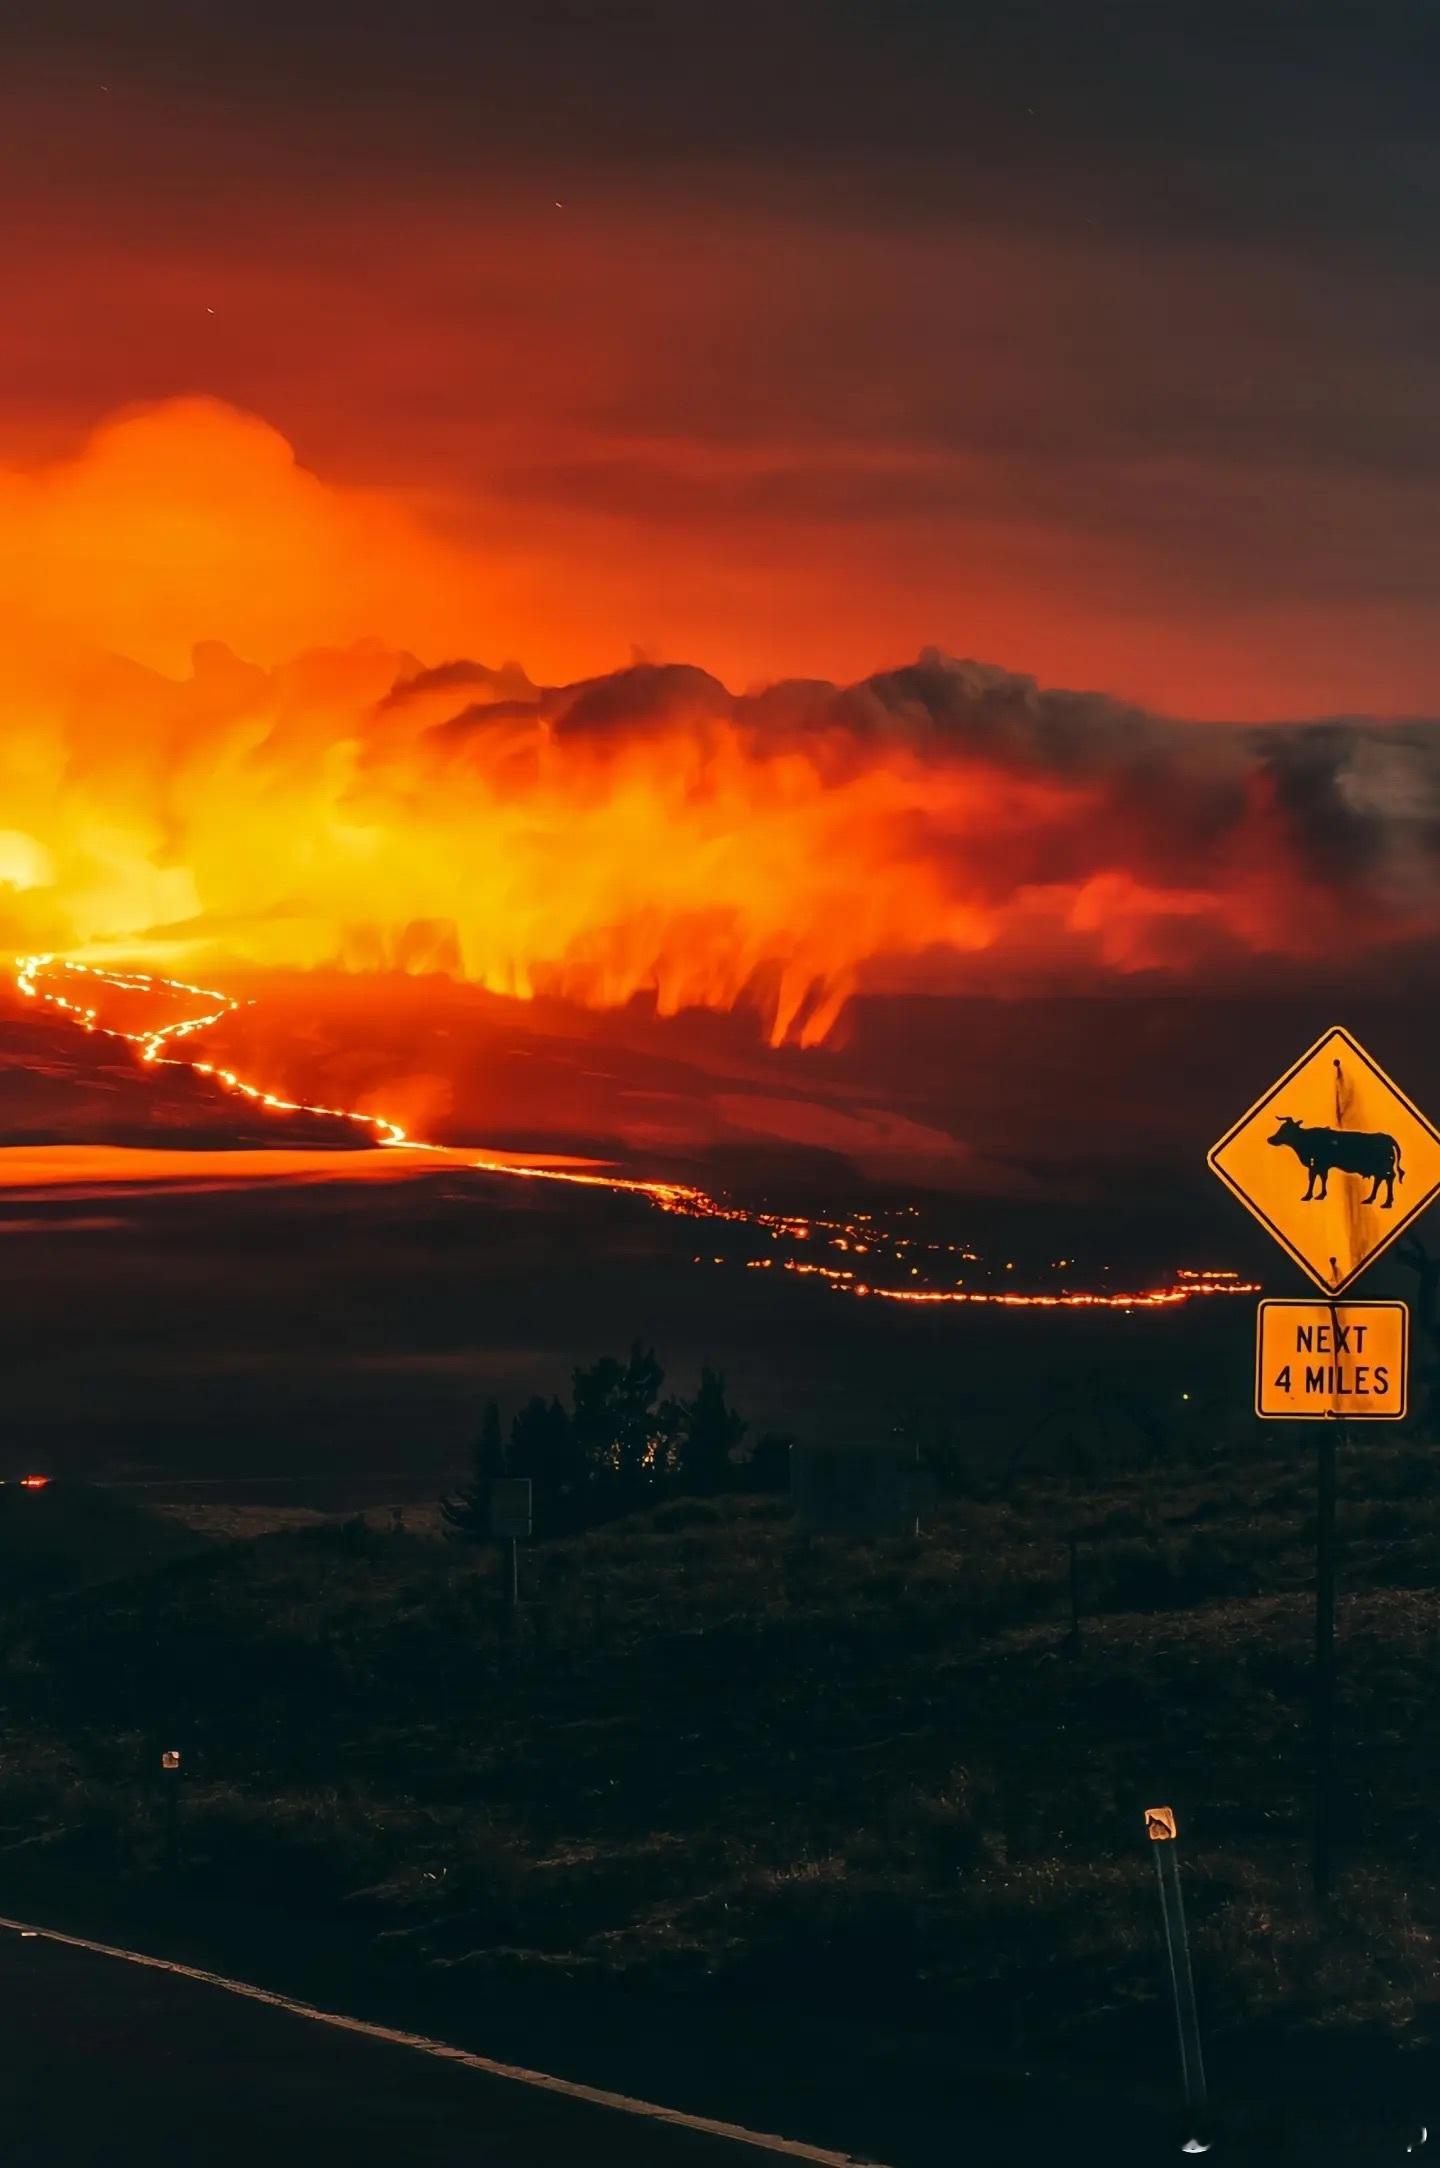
869,1776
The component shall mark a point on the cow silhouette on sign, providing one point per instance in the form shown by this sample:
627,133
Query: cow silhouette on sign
1349,1151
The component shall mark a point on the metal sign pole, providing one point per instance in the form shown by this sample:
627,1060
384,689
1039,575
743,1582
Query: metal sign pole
511,1518
1324,1711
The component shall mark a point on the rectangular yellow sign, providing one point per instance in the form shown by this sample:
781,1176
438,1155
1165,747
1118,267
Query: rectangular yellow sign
1332,1359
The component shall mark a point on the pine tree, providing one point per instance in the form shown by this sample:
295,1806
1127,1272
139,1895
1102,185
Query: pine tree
627,1441
709,1434
490,1445
542,1446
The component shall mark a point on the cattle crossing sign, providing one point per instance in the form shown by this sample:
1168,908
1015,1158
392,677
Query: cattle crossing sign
1334,1160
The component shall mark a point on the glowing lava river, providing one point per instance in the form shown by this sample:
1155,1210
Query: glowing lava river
888,1242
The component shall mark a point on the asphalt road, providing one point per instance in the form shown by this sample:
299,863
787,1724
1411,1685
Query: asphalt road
105,2063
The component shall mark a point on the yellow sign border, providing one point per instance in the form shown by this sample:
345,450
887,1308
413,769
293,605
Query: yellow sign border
1271,1091
1301,1415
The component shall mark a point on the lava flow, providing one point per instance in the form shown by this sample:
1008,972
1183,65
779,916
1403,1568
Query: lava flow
72,990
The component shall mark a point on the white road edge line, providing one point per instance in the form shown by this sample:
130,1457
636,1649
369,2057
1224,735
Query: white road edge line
594,2095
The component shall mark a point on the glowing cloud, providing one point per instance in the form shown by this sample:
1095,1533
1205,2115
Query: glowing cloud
223,744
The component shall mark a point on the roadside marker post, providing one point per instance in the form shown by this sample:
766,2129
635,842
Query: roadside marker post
170,1779
1160,1829
1334,1161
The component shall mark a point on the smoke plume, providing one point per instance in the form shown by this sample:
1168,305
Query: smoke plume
240,726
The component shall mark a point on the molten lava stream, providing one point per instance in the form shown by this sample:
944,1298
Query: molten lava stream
120,1004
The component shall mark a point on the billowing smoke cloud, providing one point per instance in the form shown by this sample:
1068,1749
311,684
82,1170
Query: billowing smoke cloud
223,742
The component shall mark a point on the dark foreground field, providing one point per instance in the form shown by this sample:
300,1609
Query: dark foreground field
340,1335
809,1827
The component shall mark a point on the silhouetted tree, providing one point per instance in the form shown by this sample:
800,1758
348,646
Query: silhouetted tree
627,1441
490,1445
542,1446
708,1433
467,1515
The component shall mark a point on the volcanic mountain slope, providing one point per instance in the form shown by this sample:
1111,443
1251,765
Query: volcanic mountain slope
62,1085
1051,1103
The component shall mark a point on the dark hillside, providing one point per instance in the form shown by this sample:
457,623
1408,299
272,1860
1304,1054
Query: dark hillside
715,1762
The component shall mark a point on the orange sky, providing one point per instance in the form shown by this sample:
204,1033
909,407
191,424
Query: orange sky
771,414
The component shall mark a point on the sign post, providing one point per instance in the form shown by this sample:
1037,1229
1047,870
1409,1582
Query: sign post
1324,1714
1334,1161
510,1521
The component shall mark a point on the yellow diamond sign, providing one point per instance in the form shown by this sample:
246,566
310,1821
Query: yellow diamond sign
1334,1160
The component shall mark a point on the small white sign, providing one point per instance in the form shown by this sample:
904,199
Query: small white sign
510,1507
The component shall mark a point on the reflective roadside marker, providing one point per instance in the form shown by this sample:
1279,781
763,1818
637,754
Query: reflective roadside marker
1160,1829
